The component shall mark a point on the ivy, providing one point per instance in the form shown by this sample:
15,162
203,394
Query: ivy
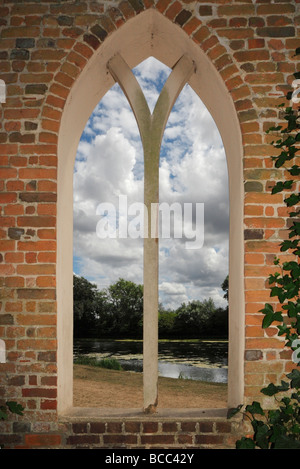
279,428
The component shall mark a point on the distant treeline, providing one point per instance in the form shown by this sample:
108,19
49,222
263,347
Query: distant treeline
117,312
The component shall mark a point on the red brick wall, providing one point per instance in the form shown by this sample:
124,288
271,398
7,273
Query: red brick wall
43,48
129,434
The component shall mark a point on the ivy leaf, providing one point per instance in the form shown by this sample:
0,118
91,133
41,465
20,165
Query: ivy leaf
294,376
245,443
15,408
269,318
274,129
297,51
3,413
272,389
285,442
279,292
280,186
267,309
234,411
281,159
262,436
255,408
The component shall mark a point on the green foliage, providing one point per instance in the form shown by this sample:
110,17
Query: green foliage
118,312
200,319
115,311
166,323
85,306
10,407
225,287
108,363
126,305
279,428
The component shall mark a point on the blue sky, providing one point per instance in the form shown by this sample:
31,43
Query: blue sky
193,169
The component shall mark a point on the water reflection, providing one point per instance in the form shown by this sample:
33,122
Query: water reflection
198,360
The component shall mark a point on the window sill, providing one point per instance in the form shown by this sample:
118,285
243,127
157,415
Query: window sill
94,413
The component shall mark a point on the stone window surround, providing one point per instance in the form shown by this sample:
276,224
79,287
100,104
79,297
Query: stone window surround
165,41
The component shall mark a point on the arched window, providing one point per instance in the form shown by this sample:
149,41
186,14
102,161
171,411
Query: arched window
157,37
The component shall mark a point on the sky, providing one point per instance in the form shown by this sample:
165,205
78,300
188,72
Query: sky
193,170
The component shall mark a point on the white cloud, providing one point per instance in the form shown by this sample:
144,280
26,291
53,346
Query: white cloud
193,169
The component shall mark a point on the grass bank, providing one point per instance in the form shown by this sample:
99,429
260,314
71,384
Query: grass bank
102,387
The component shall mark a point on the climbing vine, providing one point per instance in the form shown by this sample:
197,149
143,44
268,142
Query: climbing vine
279,428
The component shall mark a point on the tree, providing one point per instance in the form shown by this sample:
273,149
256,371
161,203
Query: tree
225,286
85,307
166,322
192,319
125,301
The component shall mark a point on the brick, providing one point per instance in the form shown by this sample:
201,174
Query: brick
157,439
91,40
99,32
7,245
201,34
205,427
173,10
236,10
23,31
136,5
79,427
37,173
37,88
264,343
191,25
128,12
253,234
209,439
276,31
251,55
83,440
150,427
84,50
275,9
120,439
99,427
114,427
38,344
40,440
37,221
36,269
32,197
188,426
182,17
185,439
6,319
36,293
48,404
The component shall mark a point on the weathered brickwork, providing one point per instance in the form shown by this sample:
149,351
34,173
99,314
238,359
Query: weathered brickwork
129,434
44,47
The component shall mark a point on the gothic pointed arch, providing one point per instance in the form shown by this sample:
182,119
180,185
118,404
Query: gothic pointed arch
79,85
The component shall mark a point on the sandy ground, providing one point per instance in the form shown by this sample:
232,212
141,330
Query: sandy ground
97,387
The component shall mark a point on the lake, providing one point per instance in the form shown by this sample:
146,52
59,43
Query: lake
204,360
